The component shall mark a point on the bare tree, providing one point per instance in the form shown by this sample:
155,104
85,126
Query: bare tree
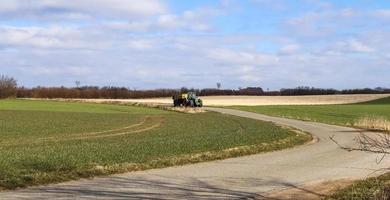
7,87
375,143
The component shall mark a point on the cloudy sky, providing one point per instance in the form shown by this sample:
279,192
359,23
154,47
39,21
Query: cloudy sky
196,43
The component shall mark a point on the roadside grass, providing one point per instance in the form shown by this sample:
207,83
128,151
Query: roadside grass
373,115
46,142
377,188
373,123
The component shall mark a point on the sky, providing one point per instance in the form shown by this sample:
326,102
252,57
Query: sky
196,43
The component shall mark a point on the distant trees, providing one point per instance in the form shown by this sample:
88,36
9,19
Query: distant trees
378,90
89,92
8,86
305,90
254,91
124,93
110,92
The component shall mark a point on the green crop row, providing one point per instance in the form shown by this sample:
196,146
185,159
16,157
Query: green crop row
44,142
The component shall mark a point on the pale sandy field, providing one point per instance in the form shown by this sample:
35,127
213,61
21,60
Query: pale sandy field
263,100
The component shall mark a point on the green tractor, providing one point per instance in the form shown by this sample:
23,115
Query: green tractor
187,99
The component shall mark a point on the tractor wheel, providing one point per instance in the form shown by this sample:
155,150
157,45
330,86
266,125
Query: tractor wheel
181,102
200,103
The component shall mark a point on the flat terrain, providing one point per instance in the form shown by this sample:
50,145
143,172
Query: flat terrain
266,100
248,177
44,142
348,114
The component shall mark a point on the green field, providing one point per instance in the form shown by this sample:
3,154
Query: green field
348,114
44,142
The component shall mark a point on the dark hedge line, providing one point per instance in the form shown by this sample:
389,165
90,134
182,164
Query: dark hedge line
121,92
125,93
320,91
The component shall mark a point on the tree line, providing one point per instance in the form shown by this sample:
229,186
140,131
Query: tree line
305,90
93,92
109,92
9,89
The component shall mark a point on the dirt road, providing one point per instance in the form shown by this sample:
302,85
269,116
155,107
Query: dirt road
250,177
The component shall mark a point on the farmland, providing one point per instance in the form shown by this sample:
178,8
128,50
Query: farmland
347,114
374,115
263,100
43,142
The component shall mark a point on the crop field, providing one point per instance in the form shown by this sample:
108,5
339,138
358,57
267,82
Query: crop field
265,100
44,142
371,115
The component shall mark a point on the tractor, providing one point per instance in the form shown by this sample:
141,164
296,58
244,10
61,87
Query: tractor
187,99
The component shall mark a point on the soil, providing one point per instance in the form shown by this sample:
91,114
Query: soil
256,100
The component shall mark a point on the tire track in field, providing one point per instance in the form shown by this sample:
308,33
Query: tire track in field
154,125
107,131
147,123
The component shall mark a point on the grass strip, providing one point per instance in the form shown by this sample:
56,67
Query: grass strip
373,115
376,188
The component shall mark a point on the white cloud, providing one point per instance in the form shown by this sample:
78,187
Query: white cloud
359,47
324,23
184,21
141,44
197,20
190,20
136,26
353,45
227,56
273,4
290,48
53,37
168,21
203,61
82,8
58,71
382,13
148,46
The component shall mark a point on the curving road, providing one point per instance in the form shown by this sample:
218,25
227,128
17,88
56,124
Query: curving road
246,177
